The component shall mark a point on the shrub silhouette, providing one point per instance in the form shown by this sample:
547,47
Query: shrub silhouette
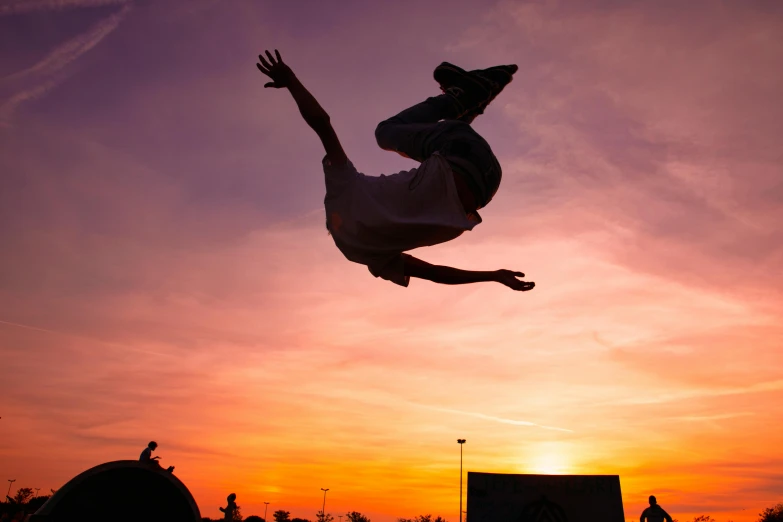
772,514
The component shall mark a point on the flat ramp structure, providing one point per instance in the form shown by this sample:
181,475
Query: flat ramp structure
124,490
502,497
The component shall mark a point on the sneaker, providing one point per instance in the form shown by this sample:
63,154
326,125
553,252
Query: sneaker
170,469
496,77
500,75
470,91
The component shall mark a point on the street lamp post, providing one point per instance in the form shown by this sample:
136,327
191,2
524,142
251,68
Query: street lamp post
10,481
340,517
323,508
460,442
265,508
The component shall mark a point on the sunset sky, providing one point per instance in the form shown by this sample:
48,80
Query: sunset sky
165,272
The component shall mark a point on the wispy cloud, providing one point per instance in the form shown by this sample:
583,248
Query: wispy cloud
26,6
115,346
723,416
72,49
27,327
502,420
759,387
52,67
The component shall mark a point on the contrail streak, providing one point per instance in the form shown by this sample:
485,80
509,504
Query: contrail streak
499,419
116,346
28,327
53,64
26,6
72,49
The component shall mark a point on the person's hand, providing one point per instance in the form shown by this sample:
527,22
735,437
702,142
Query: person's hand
280,73
510,279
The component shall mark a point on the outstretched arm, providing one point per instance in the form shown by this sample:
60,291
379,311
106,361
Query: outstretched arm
314,115
447,275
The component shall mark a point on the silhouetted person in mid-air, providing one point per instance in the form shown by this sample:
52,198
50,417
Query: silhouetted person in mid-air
374,220
147,458
654,513
231,508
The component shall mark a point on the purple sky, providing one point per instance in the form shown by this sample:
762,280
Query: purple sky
163,248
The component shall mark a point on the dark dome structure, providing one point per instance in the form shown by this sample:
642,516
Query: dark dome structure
123,491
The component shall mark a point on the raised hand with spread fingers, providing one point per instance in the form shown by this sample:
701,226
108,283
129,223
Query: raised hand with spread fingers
281,75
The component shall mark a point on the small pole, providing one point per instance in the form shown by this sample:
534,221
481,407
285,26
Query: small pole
460,442
323,508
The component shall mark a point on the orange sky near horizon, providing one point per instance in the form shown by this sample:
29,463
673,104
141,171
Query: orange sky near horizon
166,274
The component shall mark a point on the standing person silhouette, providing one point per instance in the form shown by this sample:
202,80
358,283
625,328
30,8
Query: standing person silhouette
231,508
147,458
654,513
374,220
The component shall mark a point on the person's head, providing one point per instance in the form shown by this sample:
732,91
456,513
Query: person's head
232,497
152,445
653,500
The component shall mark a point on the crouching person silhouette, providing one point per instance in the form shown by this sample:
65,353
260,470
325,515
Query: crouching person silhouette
147,458
374,220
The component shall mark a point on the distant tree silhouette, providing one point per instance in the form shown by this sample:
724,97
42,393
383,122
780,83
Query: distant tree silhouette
297,519
23,495
282,516
255,518
355,516
772,514
321,517
422,518
704,518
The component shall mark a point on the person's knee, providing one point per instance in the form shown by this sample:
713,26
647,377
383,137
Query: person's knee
383,135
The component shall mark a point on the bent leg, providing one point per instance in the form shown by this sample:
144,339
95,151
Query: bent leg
471,156
415,132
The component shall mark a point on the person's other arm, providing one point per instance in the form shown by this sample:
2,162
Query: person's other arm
314,115
447,275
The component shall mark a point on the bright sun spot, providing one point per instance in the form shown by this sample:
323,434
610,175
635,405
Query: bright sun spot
548,459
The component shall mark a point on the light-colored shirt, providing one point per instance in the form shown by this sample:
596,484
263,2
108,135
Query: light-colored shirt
374,219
